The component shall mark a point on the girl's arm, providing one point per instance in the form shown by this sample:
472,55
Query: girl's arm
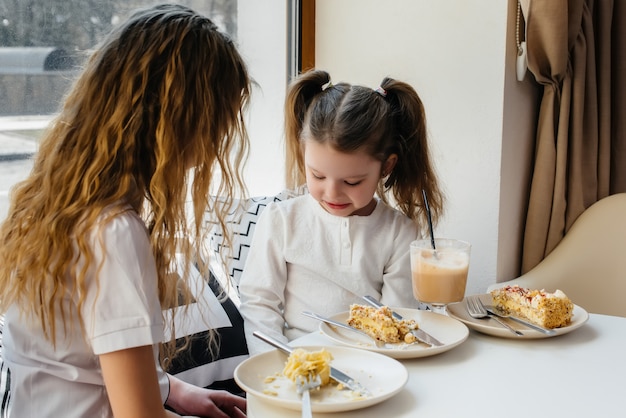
263,281
131,382
132,385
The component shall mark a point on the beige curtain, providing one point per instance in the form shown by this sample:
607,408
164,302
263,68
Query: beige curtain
576,52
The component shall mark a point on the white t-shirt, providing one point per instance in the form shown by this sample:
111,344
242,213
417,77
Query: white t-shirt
303,258
123,313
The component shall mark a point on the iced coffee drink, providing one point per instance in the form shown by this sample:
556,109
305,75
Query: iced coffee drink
440,274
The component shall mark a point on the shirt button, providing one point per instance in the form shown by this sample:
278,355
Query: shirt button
346,245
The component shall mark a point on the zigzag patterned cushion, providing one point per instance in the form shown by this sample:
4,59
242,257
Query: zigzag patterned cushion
5,380
243,221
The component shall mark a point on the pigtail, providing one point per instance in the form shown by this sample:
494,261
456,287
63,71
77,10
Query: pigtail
414,170
299,97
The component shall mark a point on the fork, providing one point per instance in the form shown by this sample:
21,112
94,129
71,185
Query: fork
304,385
477,310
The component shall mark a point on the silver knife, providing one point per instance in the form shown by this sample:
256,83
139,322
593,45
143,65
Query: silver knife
335,374
419,333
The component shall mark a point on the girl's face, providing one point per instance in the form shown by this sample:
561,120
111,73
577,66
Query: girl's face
343,183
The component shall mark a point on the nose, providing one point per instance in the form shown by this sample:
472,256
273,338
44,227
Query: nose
333,190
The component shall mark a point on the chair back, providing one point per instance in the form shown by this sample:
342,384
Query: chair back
589,264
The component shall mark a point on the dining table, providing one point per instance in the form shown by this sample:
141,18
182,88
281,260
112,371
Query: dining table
578,374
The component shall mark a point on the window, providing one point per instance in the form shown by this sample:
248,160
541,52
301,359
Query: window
41,41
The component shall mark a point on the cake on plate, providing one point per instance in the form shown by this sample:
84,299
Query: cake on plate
308,364
548,310
379,323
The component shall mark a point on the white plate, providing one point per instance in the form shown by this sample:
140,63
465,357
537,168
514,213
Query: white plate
487,326
382,376
447,330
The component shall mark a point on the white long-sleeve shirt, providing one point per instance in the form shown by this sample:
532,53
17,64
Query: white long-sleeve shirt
303,258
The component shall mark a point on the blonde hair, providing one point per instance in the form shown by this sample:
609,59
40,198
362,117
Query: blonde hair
383,121
156,112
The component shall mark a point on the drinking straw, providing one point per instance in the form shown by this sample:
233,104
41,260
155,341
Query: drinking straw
430,220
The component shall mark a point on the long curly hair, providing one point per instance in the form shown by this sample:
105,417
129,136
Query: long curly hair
155,116
385,121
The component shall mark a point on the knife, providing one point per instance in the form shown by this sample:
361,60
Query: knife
335,374
419,333
332,323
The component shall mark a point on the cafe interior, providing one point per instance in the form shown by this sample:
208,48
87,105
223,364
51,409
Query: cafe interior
526,111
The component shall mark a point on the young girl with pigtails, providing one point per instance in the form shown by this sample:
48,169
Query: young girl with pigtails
359,151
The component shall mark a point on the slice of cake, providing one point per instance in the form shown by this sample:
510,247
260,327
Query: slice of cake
549,310
380,324
308,364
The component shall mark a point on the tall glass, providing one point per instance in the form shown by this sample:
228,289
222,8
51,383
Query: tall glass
439,275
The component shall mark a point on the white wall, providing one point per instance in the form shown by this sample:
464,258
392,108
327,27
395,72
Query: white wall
454,52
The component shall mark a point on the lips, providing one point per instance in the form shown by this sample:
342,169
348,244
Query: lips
336,206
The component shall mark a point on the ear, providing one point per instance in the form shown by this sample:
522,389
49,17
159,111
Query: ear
389,164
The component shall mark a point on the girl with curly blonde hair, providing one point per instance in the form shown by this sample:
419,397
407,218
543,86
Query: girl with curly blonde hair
87,251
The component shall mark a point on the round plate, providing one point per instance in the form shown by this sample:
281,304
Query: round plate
447,330
459,311
382,376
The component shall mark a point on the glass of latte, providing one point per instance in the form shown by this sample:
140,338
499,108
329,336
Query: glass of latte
439,273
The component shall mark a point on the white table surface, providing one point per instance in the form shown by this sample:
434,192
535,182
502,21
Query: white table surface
580,374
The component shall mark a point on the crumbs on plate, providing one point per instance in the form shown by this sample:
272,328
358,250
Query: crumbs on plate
278,384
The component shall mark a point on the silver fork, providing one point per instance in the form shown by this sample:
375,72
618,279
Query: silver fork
304,385
476,309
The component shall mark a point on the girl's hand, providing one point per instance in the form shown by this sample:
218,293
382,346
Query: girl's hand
187,399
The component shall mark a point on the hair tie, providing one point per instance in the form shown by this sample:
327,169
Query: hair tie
381,91
327,85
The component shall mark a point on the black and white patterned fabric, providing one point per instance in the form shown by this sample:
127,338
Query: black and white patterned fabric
242,221
5,380
197,365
